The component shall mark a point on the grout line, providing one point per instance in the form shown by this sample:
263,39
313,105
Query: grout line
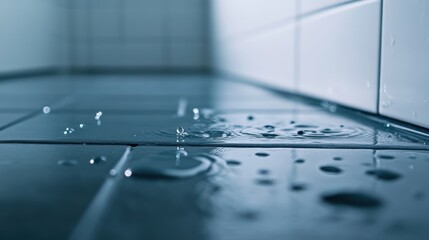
380,44
286,21
89,223
33,113
21,119
324,9
171,112
297,47
342,110
71,25
225,145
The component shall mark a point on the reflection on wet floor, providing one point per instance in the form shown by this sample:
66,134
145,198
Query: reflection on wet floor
275,195
232,161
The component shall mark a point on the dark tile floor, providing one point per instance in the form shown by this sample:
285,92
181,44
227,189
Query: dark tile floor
200,157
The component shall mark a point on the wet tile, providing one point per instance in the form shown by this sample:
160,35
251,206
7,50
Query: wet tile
285,200
7,118
44,189
27,102
171,104
163,85
314,129
51,84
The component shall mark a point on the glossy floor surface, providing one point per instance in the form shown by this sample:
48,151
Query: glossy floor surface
201,157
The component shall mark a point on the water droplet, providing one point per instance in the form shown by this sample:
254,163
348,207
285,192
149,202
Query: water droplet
387,124
392,41
98,160
233,162
270,127
67,163
329,131
386,157
217,133
68,131
113,172
383,174
305,126
297,187
250,118
128,173
180,131
263,171
168,169
331,169
352,199
98,115
338,158
221,119
81,125
181,152
329,106
196,112
46,109
269,135
265,182
262,154
299,161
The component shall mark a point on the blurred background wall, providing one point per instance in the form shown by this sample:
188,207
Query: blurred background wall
33,35
372,55
103,34
139,34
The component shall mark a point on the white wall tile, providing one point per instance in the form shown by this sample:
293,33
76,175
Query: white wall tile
267,58
405,61
81,29
307,6
187,24
136,30
145,54
80,55
106,24
144,22
238,17
338,55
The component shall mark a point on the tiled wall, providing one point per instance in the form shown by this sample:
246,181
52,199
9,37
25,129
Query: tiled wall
140,34
106,34
32,35
404,88
254,39
331,49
